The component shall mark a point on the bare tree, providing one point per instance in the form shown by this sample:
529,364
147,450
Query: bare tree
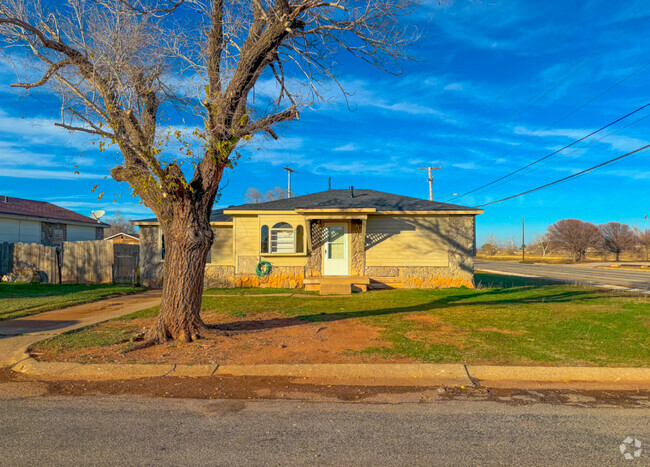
122,66
643,242
542,243
574,236
275,194
253,196
119,224
617,238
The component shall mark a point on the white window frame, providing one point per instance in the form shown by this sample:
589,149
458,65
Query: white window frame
289,243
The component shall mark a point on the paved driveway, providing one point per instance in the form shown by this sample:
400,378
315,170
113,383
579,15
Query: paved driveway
587,273
17,334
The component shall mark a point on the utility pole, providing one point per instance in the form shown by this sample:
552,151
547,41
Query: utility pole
430,180
645,232
289,172
523,239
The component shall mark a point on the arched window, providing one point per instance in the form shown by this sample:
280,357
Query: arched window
282,238
264,239
300,239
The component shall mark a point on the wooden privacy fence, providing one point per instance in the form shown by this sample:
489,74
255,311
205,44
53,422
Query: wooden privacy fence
40,257
88,262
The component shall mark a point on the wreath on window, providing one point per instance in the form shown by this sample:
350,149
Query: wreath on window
263,269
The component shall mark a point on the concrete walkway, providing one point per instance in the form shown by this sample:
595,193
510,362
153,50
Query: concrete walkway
17,334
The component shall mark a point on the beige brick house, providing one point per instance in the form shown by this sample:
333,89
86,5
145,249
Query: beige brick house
333,240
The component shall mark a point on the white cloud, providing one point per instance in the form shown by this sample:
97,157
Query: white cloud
454,87
48,174
347,147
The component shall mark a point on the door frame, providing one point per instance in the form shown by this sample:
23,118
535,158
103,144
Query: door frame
346,245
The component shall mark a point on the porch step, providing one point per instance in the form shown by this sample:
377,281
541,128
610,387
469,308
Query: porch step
334,288
337,285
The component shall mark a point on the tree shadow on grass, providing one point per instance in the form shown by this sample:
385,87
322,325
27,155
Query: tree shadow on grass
437,304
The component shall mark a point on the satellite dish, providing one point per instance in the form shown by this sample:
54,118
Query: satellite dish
97,214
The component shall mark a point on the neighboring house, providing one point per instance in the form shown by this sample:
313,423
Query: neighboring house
124,238
354,237
28,221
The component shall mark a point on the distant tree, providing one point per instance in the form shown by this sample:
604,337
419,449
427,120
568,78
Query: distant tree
253,196
275,194
118,224
509,246
574,236
542,244
643,243
488,249
617,238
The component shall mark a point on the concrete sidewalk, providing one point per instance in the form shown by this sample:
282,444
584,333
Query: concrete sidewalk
17,334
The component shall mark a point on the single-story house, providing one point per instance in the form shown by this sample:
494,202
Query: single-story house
29,221
124,238
349,238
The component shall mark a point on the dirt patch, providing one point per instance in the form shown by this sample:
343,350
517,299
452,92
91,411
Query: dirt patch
268,338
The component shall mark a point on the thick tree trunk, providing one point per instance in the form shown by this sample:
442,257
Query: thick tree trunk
187,242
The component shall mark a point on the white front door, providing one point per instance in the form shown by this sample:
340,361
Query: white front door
335,250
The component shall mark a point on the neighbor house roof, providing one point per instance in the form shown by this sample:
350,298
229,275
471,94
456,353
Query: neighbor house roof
133,236
215,216
10,207
353,199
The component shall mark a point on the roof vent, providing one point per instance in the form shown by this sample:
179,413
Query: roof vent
6,199
351,192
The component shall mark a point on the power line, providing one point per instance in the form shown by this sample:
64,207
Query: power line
546,91
582,172
569,153
553,153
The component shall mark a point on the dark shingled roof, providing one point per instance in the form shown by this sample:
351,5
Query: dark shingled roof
215,216
341,199
41,209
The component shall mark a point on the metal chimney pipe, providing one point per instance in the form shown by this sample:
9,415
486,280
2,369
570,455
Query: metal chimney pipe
351,192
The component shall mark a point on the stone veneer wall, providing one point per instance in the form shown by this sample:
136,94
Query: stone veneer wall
460,271
358,248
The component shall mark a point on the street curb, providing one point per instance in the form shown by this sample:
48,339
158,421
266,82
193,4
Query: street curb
380,374
630,378
414,374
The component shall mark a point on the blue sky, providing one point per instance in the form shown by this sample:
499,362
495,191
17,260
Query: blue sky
495,86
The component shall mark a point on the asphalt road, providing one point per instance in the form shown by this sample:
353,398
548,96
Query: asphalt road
571,272
139,431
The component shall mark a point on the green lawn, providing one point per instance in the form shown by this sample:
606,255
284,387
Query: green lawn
18,300
513,321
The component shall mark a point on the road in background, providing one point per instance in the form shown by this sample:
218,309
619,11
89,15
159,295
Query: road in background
587,273
138,431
